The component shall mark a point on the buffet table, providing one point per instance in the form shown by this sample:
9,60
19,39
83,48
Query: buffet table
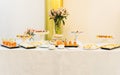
69,61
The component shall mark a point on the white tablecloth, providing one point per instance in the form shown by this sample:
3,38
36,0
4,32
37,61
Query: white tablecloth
59,62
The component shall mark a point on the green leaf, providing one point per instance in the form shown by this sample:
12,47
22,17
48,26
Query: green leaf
65,17
63,22
52,13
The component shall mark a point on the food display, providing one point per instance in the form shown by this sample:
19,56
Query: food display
27,45
66,43
41,44
90,47
70,44
110,46
9,43
58,40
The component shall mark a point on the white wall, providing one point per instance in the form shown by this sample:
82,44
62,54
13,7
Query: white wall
18,15
94,17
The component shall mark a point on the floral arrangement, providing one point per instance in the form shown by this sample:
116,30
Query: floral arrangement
30,32
58,15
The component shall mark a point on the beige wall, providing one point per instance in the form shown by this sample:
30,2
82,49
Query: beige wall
93,17
18,15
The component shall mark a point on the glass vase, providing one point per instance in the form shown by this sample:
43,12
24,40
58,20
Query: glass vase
58,26
58,29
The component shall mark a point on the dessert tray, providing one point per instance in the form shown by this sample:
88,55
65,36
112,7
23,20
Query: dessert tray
27,46
66,43
9,43
10,47
110,46
70,46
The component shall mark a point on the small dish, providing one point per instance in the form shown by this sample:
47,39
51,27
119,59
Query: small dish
52,47
61,46
44,46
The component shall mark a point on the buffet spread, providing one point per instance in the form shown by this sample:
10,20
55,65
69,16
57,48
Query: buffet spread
57,42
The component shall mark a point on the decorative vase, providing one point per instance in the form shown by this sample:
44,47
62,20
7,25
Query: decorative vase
58,26
58,29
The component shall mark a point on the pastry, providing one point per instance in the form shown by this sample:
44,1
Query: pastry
9,43
90,46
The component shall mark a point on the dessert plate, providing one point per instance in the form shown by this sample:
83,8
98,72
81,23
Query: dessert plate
110,46
27,46
90,46
44,46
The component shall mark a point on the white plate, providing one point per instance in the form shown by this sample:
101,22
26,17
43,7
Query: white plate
91,48
44,46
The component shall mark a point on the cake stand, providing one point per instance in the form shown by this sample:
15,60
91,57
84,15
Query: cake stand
23,37
76,36
104,39
41,35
